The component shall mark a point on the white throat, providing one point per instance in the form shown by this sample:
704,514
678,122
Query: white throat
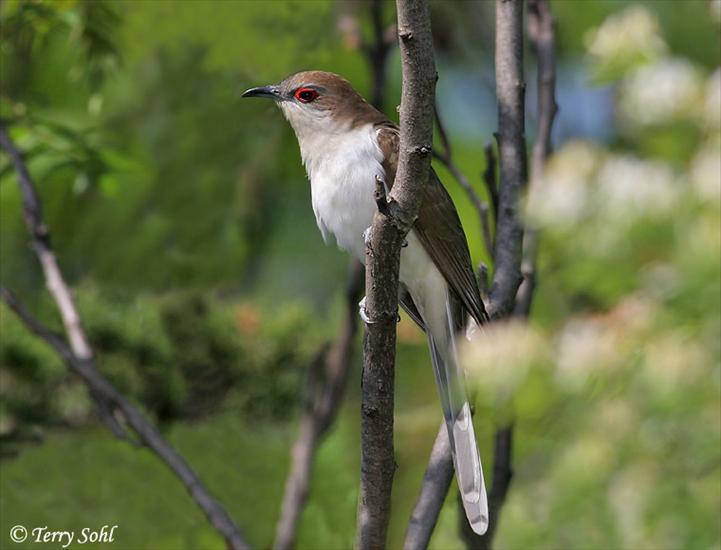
342,164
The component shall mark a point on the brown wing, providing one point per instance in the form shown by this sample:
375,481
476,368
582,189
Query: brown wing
439,229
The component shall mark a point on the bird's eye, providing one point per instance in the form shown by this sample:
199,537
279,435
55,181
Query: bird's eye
306,95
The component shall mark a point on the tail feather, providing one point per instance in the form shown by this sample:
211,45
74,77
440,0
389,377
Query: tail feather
459,423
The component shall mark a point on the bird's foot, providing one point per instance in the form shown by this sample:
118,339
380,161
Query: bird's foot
367,235
364,313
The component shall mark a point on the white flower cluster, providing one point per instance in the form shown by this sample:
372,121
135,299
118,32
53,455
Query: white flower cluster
666,90
515,345
625,38
583,182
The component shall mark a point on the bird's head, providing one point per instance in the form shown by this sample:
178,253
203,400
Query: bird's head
316,101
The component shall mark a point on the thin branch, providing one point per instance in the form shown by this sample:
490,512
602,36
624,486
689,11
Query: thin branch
79,356
510,91
326,385
541,32
382,262
54,280
436,482
446,158
148,435
377,50
507,250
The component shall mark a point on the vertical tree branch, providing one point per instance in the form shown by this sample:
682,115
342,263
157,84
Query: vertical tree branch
541,33
436,482
79,356
390,225
377,52
510,92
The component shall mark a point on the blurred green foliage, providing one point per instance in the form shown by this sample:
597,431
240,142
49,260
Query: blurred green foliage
181,356
181,218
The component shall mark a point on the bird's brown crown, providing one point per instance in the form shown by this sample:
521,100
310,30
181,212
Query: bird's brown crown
332,93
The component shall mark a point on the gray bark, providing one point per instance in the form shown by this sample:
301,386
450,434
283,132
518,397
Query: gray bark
391,223
510,93
541,34
436,482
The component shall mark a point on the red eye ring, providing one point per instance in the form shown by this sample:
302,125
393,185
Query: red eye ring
305,95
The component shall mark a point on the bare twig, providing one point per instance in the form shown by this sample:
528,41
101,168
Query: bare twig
502,475
382,262
510,91
446,158
436,482
326,385
79,356
377,50
541,33
54,280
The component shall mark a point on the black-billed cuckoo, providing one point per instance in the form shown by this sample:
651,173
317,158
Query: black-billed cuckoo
345,143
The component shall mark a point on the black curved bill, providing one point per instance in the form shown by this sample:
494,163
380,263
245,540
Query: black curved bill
271,92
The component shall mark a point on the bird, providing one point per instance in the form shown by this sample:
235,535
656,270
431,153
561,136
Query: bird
345,145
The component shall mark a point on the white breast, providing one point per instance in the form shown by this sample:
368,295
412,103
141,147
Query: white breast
342,168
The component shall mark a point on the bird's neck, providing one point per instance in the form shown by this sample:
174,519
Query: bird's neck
333,135
327,143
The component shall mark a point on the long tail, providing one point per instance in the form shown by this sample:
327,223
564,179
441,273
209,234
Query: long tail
457,413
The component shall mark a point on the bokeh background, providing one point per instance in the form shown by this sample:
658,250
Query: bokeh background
182,219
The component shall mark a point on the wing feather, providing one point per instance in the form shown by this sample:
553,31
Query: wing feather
439,229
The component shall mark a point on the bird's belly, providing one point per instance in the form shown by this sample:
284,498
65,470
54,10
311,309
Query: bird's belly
344,208
344,205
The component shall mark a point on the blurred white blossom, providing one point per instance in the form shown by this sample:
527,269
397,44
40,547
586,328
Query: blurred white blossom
629,187
624,39
499,357
561,198
582,347
666,90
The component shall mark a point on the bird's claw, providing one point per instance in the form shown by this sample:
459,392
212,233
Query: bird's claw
363,313
367,236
